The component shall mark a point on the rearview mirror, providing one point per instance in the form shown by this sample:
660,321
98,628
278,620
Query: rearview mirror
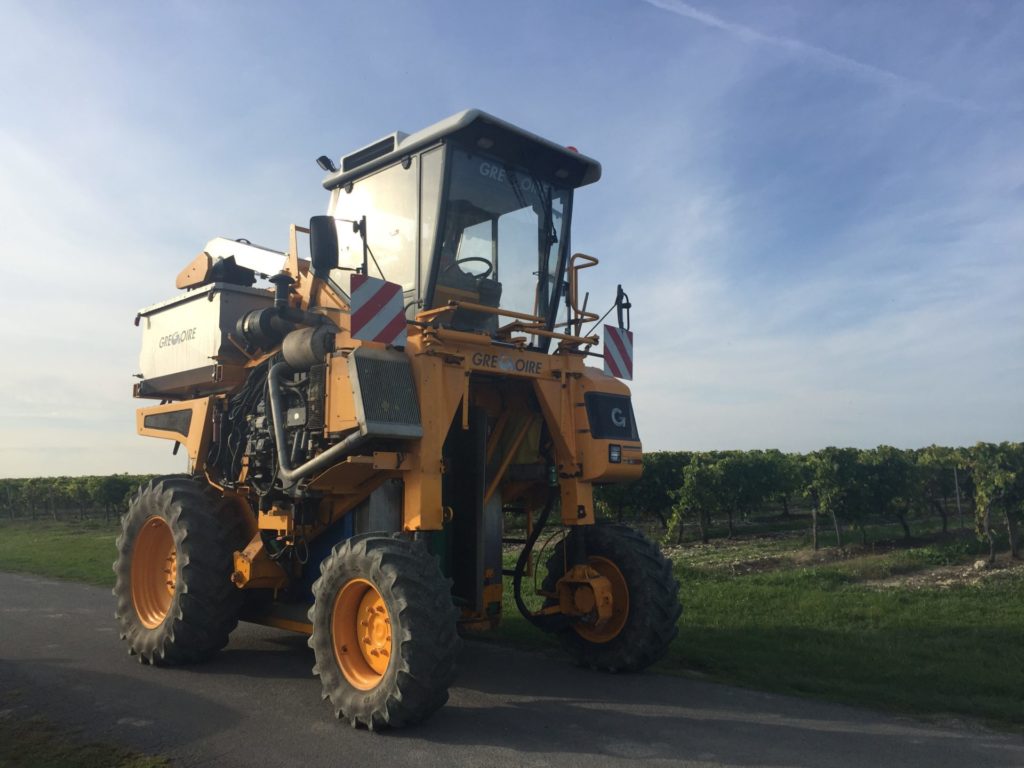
323,245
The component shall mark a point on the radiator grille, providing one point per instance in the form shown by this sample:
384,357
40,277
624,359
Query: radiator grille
386,401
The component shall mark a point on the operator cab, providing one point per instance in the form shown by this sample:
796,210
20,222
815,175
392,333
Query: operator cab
472,209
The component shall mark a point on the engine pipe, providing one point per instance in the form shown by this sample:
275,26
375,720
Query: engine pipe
283,283
267,327
290,475
282,288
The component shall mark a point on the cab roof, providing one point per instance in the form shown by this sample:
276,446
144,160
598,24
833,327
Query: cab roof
477,129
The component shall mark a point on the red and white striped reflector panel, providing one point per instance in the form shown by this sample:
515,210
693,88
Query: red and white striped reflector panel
618,352
377,310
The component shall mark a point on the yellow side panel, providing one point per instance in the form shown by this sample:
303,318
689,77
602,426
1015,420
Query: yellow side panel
341,407
440,389
186,422
594,451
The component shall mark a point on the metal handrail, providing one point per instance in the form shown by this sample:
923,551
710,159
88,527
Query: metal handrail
581,314
536,326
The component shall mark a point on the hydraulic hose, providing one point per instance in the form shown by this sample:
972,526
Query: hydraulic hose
548,623
288,475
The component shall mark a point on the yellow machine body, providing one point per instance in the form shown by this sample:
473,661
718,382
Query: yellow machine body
491,381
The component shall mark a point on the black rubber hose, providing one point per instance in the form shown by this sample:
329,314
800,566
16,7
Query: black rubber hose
548,623
332,455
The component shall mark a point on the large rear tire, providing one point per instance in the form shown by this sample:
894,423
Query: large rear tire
384,632
645,596
175,600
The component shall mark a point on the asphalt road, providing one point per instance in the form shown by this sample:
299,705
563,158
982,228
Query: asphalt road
257,704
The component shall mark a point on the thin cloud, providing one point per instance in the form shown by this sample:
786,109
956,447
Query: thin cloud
823,56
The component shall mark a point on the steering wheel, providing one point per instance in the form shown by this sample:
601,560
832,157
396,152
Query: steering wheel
482,275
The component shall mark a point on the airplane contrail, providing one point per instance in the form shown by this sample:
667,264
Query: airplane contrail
824,56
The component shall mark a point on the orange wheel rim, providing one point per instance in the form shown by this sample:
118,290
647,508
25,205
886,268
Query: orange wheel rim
620,604
361,633
154,572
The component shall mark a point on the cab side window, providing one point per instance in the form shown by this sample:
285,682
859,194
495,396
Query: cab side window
388,201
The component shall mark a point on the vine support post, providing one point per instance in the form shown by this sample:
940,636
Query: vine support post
959,508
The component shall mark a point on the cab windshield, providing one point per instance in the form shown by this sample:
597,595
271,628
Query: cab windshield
501,240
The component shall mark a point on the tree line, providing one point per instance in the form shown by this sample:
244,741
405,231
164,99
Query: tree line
844,488
84,497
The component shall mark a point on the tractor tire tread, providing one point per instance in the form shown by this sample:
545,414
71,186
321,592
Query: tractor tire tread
204,608
654,610
416,683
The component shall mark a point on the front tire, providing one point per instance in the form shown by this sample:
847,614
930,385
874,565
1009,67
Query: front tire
384,632
645,598
175,600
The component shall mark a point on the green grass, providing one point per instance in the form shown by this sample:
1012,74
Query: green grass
65,550
33,742
769,613
822,631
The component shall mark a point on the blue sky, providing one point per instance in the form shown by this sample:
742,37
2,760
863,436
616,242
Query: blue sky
817,208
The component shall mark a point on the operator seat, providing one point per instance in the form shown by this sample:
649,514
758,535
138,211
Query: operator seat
489,292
